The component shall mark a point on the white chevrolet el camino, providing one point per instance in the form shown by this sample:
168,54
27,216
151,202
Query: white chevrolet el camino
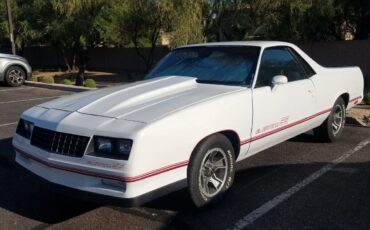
200,110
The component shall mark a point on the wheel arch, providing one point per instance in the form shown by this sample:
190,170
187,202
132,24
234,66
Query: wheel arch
16,65
231,135
234,139
345,97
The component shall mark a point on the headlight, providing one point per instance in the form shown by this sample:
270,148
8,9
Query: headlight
112,147
25,128
103,145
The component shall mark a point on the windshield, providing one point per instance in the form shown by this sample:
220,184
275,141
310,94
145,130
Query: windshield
233,65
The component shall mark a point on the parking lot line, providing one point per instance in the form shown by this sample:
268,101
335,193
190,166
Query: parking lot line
8,124
32,99
22,88
268,206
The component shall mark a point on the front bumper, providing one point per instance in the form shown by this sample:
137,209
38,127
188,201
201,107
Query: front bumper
121,179
109,200
93,183
63,175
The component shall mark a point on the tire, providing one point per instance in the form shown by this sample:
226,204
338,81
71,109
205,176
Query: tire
15,76
211,170
331,130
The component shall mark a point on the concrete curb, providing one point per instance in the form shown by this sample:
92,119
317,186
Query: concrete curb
362,107
71,88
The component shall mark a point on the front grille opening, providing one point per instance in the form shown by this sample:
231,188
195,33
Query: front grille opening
59,143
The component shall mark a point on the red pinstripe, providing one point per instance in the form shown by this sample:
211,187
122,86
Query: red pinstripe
103,175
243,142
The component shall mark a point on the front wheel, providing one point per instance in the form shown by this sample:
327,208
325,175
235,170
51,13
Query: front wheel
15,76
332,128
211,170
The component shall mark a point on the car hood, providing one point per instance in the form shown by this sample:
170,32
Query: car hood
142,101
11,56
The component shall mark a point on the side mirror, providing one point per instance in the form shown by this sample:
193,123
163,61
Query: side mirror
279,80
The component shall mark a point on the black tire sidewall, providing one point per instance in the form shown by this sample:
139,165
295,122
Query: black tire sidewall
334,137
7,80
214,141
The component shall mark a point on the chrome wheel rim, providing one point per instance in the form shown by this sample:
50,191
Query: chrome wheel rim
338,119
213,172
16,76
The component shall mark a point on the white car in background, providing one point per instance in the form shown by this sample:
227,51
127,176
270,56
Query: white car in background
201,109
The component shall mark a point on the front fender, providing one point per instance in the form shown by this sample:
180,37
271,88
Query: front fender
6,63
173,138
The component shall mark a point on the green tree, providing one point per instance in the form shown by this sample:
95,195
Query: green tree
4,38
354,16
30,19
143,23
240,19
74,27
187,26
108,24
306,20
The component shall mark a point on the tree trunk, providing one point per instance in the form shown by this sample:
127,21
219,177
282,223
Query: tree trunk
81,64
65,59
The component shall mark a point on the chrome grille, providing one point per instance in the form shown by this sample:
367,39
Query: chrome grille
59,143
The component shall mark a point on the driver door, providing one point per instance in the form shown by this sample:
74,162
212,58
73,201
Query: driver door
281,111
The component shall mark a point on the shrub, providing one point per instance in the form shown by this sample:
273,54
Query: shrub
35,72
367,98
67,82
46,79
90,83
34,76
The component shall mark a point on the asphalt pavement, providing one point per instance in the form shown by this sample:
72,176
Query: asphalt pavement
299,184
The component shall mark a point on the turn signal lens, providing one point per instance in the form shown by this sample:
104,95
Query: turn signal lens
25,128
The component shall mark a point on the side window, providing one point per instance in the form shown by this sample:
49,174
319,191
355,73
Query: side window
279,61
309,71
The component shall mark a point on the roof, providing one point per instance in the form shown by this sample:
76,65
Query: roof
262,44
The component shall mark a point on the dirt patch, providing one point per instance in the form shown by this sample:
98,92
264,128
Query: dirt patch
360,115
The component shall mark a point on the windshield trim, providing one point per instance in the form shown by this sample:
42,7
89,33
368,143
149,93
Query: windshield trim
216,46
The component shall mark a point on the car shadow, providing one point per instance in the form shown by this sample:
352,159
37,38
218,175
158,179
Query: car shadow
255,186
308,137
305,138
27,195
6,149
3,84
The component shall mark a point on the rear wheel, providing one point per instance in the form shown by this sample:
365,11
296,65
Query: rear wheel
15,76
211,170
332,128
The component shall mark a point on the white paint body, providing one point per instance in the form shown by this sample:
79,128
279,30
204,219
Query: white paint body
167,117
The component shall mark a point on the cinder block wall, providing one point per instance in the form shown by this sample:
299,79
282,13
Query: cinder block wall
110,59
